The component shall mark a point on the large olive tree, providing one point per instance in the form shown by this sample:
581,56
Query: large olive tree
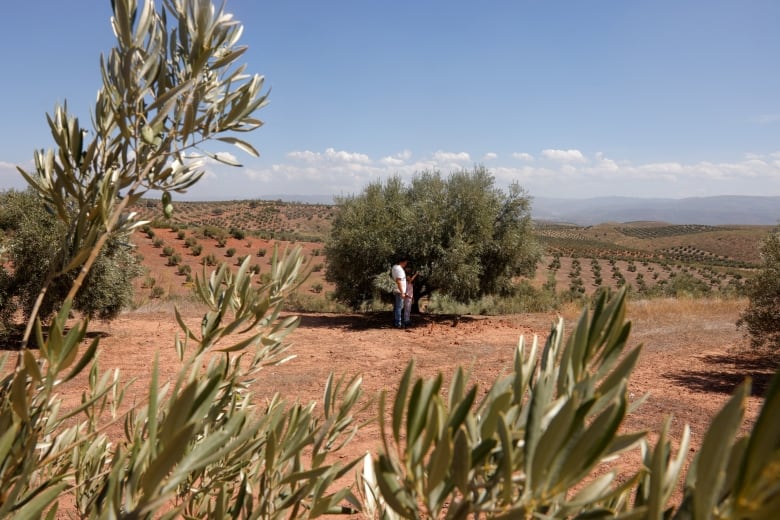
463,235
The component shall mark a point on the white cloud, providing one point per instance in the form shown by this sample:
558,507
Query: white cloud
330,155
452,157
391,161
564,155
227,157
398,159
347,157
563,173
605,164
305,155
668,167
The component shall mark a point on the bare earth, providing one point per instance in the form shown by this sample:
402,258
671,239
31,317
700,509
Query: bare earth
692,359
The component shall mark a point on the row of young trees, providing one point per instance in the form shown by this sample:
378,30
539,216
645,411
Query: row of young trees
203,447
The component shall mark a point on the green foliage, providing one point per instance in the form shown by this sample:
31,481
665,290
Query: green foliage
525,298
238,234
465,237
189,448
39,244
546,441
684,285
200,446
761,319
166,92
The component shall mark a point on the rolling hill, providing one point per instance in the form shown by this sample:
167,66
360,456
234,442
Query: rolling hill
713,211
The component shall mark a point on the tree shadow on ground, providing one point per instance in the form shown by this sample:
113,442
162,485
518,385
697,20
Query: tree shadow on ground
11,339
723,373
376,320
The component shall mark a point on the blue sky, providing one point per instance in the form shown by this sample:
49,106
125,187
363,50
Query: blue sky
570,99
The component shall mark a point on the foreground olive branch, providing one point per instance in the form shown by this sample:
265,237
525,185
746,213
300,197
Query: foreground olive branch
531,447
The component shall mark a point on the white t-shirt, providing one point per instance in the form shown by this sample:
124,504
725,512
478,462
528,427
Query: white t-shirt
398,272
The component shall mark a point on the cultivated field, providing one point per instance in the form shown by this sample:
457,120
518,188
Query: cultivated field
693,356
650,257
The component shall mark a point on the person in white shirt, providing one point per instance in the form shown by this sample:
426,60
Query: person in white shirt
399,292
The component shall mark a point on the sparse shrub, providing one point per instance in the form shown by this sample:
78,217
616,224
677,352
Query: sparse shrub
317,287
261,252
174,259
684,285
158,242
157,292
230,252
238,234
196,249
168,251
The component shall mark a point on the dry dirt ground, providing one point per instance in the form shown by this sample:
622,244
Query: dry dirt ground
692,358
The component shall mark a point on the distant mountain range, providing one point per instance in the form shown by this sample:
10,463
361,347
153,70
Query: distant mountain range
713,211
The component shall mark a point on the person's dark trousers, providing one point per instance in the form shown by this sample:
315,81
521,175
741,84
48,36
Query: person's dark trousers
398,305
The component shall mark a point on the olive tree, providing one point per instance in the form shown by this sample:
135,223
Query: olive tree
463,235
761,319
34,243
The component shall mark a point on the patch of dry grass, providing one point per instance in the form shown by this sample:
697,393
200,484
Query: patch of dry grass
675,309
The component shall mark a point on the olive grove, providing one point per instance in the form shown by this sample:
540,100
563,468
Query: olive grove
544,441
